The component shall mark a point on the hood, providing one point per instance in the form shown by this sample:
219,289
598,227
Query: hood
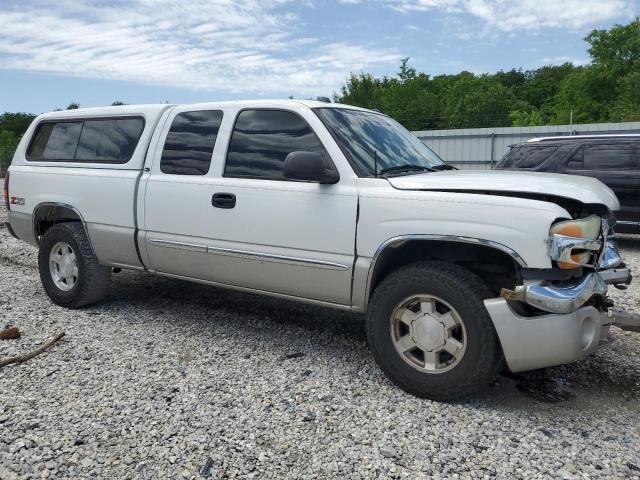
585,190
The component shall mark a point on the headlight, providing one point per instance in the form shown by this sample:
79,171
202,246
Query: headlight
569,250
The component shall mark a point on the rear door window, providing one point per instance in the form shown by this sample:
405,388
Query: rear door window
189,145
525,156
602,157
111,140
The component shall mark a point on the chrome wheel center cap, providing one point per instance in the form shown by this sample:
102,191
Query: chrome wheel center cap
428,333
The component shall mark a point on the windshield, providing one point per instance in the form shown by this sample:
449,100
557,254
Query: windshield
367,138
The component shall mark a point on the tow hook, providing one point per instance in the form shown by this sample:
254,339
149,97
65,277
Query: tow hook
626,320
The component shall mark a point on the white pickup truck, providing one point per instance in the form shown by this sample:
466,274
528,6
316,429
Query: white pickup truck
332,205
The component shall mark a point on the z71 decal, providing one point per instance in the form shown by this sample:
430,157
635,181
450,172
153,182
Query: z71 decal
17,201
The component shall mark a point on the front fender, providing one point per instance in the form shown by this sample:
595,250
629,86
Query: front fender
520,226
515,226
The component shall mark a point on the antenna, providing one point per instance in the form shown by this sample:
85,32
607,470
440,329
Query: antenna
375,163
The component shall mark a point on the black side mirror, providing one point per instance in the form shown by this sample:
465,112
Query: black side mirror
310,167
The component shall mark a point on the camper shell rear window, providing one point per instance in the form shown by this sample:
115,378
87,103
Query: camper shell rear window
86,140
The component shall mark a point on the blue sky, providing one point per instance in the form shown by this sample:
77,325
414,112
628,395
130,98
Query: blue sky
148,51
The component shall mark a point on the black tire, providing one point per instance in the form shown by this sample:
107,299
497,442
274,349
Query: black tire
463,291
93,279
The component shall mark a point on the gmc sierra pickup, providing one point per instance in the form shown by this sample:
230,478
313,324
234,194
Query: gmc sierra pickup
328,204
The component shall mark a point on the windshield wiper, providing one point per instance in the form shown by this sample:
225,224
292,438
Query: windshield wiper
444,166
406,168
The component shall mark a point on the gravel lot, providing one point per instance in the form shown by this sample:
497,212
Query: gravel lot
166,378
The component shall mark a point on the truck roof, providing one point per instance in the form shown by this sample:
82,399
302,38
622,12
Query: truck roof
160,107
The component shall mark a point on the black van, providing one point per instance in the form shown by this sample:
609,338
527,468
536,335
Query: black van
612,159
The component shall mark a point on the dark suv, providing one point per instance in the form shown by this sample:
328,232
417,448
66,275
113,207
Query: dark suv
612,159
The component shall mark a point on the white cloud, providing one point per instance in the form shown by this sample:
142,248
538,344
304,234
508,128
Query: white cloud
536,14
249,46
254,46
512,15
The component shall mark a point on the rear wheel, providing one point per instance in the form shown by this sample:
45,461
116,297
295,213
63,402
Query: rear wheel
430,332
70,273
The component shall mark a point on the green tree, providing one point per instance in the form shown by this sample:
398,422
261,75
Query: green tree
588,93
542,85
406,72
363,90
117,103
17,123
514,79
8,143
521,118
617,49
73,106
606,90
478,101
627,106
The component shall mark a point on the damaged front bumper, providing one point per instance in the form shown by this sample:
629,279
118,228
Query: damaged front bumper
569,329
529,343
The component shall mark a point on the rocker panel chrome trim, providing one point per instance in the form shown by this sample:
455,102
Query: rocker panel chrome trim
266,257
179,245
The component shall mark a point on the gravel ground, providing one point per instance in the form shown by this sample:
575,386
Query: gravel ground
175,380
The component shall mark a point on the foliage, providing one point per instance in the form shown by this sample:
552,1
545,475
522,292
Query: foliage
521,118
12,127
627,106
617,49
16,123
606,90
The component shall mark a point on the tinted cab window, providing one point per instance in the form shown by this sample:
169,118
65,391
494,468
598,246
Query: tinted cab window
261,141
189,145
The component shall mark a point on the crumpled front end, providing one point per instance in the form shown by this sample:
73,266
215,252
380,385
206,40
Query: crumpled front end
565,316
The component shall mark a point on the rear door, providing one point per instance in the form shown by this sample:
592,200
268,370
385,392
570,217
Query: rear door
177,194
616,165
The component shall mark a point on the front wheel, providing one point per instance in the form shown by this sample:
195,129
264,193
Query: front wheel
69,271
430,332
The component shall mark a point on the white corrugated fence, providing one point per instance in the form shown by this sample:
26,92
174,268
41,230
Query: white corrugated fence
481,148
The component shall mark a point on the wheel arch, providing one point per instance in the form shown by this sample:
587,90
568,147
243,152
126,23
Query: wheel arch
47,214
399,251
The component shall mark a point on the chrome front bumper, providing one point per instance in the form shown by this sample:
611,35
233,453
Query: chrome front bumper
558,299
568,298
